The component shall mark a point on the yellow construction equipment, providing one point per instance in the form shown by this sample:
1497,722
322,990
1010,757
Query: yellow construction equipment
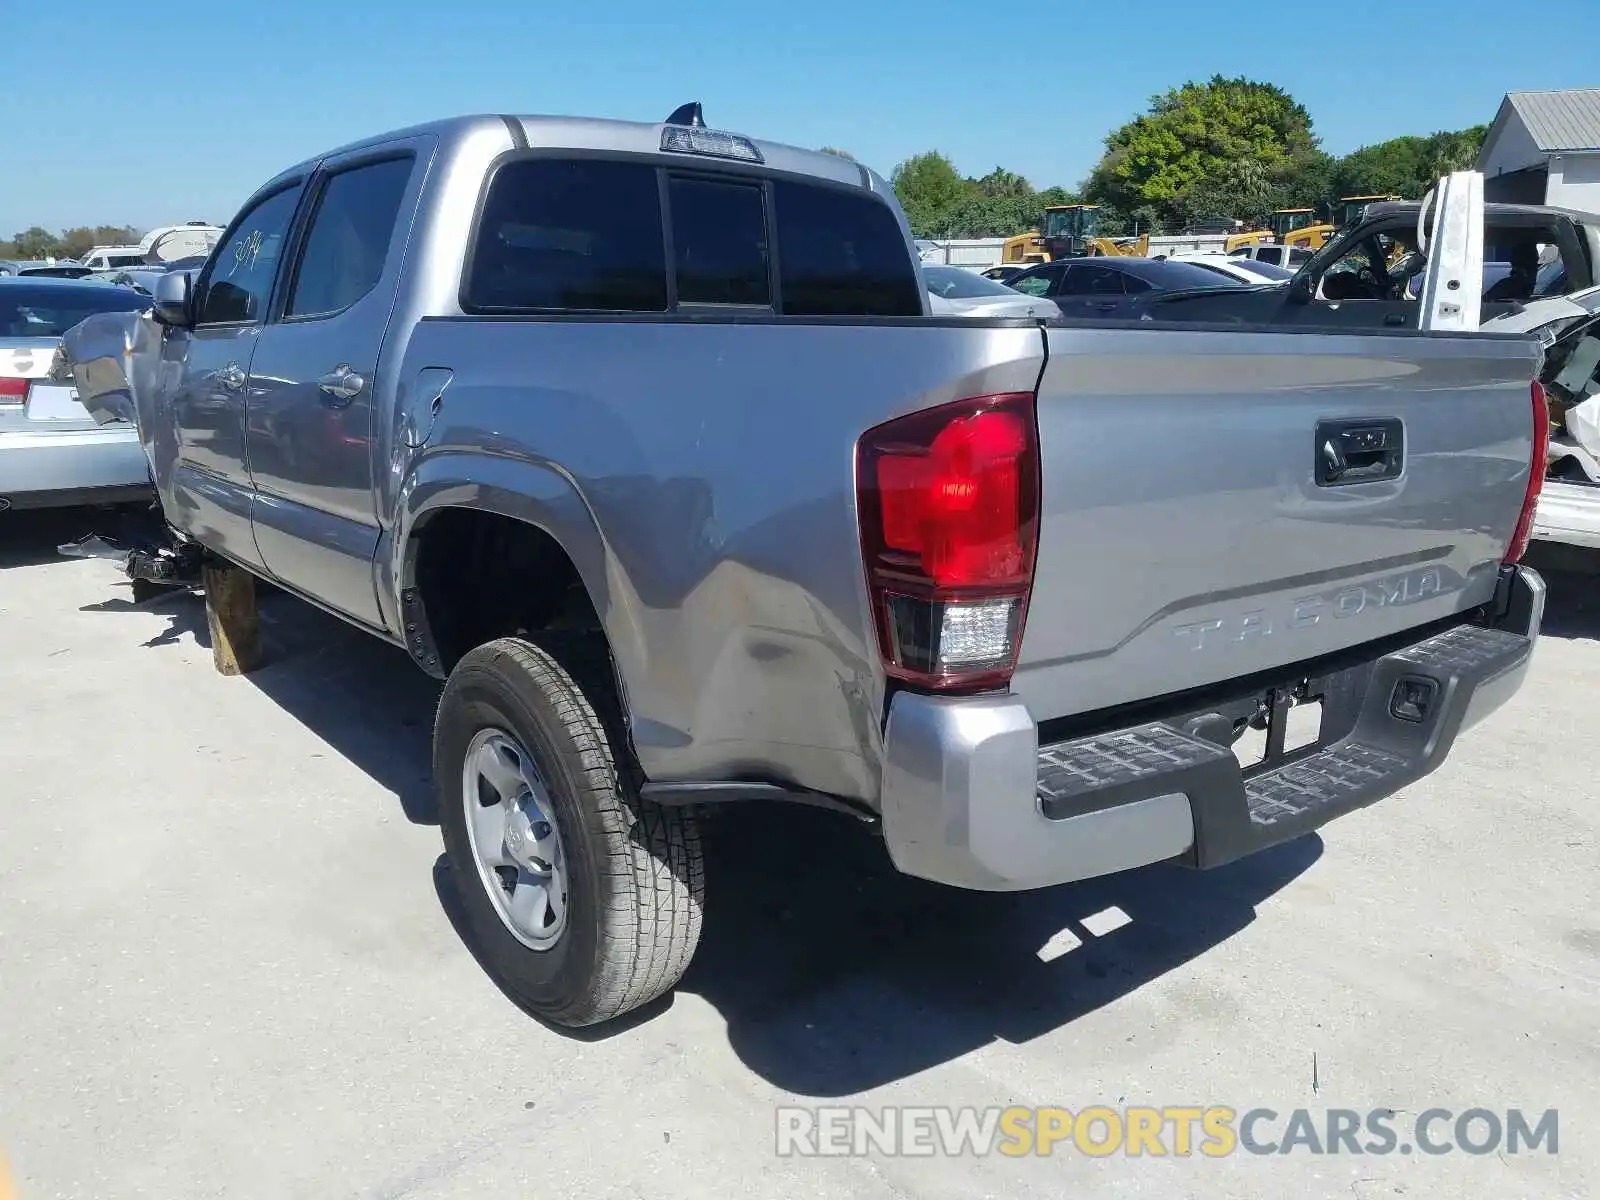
1123,247
1238,241
1299,227
1073,231
1024,250
1068,229
1351,209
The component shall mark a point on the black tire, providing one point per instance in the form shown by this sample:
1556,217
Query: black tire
635,869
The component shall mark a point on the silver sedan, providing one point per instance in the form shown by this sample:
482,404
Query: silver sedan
52,453
956,291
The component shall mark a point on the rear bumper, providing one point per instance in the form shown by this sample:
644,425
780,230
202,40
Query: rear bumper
970,797
47,467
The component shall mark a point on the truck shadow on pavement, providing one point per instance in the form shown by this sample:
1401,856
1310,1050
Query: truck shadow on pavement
366,699
836,974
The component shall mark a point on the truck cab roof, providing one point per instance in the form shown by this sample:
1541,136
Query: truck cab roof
533,132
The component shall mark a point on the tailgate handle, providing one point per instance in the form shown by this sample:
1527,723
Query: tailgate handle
1366,451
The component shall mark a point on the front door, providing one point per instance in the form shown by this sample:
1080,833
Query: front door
314,376
209,492
1090,290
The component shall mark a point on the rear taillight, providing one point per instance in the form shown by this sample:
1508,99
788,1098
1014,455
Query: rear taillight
1540,461
948,501
13,391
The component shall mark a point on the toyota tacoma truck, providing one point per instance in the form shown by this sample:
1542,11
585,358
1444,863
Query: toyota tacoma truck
641,438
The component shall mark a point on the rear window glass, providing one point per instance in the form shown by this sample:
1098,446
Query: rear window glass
719,242
842,254
570,235
39,312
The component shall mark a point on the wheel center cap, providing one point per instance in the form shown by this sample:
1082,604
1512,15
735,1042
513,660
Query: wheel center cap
522,827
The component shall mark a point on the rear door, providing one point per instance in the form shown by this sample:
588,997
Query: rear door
1090,290
210,488
315,372
1191,531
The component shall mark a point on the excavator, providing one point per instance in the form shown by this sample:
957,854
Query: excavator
1072,231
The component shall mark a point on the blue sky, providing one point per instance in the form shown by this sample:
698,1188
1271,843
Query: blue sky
206,110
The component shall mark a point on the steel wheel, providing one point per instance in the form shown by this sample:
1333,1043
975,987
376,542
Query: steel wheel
515,840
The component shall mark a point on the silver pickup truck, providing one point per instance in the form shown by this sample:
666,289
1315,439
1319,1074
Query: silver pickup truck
641,438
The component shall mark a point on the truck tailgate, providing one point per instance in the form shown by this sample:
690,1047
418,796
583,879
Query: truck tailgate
1187,536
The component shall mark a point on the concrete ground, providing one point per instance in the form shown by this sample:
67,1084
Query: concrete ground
228,965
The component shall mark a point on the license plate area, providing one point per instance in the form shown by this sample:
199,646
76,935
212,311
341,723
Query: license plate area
54,402
1269,727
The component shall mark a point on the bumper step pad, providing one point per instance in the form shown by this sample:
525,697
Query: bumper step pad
1238,812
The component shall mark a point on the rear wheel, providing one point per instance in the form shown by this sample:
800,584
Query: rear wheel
584,900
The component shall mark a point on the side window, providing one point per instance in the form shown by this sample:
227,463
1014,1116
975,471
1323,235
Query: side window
244,266
1092,281
1032,285
719,242
575,235
842,253
349,240
1133,285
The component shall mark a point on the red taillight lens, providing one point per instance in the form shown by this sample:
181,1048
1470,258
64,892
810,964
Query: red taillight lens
13,391
1541,461
948,501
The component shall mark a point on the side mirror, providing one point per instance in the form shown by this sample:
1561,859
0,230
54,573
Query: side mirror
173,297
1303,288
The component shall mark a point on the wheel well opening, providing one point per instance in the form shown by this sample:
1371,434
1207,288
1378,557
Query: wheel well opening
479,576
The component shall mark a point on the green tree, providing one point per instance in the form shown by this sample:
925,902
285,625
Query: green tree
1406,166
75,243
1197,135
1244,190
36,242
1003,184
930,190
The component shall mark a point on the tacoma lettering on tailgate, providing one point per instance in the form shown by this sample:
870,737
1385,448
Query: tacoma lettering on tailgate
1351,600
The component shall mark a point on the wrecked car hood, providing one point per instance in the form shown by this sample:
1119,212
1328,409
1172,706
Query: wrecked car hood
1552,314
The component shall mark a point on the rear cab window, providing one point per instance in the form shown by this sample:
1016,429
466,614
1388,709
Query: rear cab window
628,236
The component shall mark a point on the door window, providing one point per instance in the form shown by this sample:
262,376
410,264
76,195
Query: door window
570,235
1092,281
1033,285
242,271
349,239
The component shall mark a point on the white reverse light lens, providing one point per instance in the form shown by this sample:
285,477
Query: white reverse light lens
976,633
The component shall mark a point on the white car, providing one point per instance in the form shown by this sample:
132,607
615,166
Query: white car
1246,270
52,453
956,291
1274,255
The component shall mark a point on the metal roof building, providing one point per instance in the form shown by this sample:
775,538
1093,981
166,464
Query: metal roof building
1544,148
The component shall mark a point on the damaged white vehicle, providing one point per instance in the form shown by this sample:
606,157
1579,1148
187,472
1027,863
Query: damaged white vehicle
1569,506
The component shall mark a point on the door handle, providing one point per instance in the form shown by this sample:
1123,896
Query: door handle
1106,305
1394,319
231,377
342,383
